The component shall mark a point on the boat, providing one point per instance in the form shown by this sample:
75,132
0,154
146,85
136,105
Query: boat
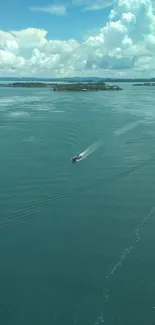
76,158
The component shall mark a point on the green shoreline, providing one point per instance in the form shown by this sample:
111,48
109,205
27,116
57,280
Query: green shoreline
79,86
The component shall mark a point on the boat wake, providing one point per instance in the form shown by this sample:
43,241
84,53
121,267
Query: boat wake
99,143
127,127
91,149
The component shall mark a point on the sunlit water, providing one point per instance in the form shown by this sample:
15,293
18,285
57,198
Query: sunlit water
77,240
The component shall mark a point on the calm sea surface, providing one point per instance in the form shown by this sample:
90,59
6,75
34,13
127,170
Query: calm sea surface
77,240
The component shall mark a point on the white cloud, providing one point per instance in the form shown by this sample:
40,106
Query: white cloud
125,46
30,37
98,5
93,5
9,60
59,10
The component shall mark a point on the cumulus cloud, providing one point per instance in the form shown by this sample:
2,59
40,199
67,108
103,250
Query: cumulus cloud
59,10
124,46
30,38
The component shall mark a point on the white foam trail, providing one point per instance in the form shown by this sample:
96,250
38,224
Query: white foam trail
57,111
18,114
118,132
127,127
91,149
127,251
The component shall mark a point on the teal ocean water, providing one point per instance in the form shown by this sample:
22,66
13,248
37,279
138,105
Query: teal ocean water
77,240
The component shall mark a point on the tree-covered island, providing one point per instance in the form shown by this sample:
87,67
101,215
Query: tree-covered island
72,87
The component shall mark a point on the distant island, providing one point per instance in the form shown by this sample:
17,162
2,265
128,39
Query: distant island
26,85
87,86
145,84
75,79
78,86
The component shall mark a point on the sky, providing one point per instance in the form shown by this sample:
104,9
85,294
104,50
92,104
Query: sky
103,38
